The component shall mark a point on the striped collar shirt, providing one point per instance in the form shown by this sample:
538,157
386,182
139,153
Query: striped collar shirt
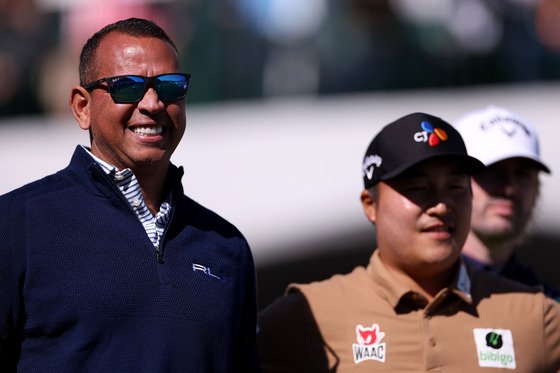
130,188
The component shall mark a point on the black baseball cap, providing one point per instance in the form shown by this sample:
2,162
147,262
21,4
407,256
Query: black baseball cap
410,140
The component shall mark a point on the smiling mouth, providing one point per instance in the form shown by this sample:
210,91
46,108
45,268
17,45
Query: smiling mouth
439,229
148,131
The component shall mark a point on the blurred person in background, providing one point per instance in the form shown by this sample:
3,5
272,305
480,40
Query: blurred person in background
416,307
107,266
27,36
505,194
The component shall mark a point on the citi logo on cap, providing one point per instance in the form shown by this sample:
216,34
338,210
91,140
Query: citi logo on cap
433,136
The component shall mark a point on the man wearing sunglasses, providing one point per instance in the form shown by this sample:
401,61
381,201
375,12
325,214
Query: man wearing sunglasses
106,265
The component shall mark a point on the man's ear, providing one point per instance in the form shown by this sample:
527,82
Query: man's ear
79,103
369,205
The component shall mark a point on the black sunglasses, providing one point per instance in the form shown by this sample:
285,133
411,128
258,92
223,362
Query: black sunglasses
126,89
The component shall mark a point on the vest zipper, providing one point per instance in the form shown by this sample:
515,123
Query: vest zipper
159,255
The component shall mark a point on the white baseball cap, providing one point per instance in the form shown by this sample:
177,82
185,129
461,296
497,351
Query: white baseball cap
495,134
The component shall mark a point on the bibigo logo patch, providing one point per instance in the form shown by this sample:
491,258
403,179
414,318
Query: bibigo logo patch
369,346
494,348
430,134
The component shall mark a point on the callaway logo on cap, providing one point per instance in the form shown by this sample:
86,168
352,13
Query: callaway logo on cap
495,134
410,140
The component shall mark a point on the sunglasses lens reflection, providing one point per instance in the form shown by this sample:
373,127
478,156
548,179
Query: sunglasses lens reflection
128,89
171,87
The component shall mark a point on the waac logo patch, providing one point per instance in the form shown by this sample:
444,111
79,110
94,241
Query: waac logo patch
369,345
494,348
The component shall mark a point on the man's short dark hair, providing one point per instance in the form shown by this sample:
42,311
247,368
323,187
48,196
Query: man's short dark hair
374,192
133,26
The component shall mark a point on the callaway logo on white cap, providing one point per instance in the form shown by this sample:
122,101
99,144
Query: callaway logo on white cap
495,134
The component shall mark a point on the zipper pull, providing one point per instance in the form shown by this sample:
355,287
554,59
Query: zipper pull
159,255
